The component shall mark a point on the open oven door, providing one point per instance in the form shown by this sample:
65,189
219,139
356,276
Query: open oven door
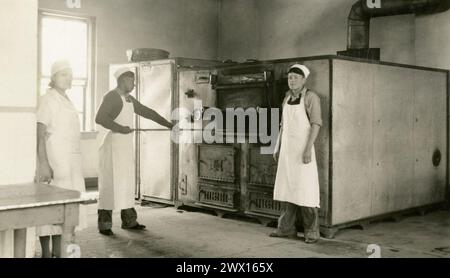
154,157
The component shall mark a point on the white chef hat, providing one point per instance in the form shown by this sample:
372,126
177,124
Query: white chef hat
59,66
300,69
121,71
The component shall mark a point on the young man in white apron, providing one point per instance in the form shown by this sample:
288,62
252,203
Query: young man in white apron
297,182
117,159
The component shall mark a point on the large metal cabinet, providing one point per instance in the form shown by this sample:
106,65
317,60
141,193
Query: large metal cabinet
389,139
383,147
157,86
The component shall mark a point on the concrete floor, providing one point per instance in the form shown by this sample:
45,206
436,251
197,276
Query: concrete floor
173,233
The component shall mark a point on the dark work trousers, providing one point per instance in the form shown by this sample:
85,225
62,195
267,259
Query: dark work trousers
129,219
309,217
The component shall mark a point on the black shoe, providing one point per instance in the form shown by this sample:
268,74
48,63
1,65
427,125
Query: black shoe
107,232
138,227
311,241
277,234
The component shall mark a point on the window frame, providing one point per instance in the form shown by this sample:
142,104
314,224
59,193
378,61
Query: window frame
89,97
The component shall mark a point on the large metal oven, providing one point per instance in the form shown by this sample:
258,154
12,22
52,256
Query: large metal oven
232,177
382,150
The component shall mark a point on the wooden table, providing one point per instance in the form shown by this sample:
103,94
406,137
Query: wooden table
32,205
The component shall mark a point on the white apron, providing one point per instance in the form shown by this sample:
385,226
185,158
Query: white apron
117,165
64,157
296,182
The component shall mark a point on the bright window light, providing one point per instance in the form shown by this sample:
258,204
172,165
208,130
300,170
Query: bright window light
68,38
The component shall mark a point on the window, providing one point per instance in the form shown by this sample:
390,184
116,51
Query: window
70,38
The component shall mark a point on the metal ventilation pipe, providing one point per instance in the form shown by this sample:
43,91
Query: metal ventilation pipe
358,28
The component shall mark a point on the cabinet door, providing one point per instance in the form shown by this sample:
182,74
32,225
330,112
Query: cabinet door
155,148
198,81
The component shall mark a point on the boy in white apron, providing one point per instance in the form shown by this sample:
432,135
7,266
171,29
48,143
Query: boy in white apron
116,157
297,182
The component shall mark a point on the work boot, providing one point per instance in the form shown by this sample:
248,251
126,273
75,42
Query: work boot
138,227
278,234
311,236
311,241
107,232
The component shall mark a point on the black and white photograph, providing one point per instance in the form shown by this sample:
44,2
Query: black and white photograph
224,129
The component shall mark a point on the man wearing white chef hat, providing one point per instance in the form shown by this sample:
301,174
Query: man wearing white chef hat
297,181
117,163
121,71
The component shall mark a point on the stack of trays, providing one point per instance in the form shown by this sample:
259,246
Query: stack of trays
146,54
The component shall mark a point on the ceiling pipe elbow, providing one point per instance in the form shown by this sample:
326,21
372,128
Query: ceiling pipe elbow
358,27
